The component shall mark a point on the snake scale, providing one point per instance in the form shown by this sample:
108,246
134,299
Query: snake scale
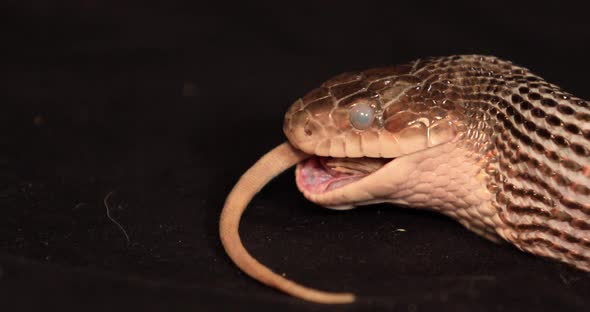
474,137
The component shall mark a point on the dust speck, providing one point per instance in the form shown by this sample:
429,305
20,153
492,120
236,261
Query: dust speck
38,120
188,89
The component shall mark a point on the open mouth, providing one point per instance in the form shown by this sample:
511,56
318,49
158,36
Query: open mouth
317,175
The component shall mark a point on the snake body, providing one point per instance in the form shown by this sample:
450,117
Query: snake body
475,137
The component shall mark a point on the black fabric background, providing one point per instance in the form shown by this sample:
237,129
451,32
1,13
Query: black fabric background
165,106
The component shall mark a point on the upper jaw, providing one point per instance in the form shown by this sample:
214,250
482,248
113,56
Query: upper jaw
375,143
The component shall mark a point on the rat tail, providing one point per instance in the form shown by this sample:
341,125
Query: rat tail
252,181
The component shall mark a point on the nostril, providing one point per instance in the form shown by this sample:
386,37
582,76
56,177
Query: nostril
310,129
307,130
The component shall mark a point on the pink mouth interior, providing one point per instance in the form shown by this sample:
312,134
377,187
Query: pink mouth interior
314,176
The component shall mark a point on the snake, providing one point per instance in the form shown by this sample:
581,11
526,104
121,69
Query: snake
474,137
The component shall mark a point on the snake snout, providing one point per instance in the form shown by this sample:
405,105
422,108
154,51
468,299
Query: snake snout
301,131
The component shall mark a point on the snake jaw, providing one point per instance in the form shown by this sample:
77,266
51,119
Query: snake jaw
322,179
318,175
441,178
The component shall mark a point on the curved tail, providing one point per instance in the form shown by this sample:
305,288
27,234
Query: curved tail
265,169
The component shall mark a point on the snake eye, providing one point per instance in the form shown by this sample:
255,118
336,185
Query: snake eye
362,116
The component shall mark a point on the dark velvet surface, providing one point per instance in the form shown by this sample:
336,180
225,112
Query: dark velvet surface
163,107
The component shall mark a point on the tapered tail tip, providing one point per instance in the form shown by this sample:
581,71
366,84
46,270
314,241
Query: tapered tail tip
324,297
345,298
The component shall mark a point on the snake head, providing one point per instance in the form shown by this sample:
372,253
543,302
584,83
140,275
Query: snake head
384,112
357,123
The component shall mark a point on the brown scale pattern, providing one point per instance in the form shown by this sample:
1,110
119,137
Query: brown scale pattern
552,231
531,127
559,250
483,91
534,164
553,214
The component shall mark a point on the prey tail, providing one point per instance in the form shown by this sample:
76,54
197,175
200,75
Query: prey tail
265,169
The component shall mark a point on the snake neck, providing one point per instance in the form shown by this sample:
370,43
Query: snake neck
534,141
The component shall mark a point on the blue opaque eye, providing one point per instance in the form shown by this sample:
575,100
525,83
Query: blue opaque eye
362,116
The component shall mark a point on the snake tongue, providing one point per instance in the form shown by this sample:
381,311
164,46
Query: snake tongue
322,174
